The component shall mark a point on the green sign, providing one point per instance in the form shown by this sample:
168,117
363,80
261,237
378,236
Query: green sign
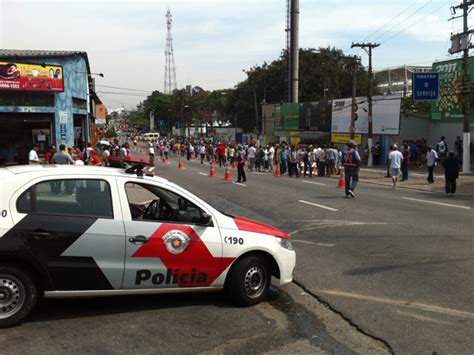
449,105
287,117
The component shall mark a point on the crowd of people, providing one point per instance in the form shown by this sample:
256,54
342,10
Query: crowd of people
308,160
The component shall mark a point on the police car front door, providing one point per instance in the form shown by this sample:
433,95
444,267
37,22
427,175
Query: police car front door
169,245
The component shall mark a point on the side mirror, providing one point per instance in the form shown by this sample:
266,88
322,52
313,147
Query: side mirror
206,219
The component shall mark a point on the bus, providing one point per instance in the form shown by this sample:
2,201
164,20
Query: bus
150,136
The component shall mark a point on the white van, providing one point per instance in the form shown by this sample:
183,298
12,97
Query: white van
151,136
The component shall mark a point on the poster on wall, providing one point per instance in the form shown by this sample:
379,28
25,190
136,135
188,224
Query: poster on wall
31,77
386,115
449,104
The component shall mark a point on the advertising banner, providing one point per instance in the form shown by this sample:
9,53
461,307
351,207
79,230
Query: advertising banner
315,116
449,104
287,116
31,77
386,115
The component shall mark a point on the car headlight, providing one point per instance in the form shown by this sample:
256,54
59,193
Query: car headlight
285,243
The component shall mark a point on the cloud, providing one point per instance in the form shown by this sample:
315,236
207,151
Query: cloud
213,39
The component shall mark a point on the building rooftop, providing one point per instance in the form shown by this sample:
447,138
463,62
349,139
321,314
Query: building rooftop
12,53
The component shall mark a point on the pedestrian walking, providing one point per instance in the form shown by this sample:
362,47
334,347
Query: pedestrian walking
251,154
307,163
458,148
351,160
240,165
451,166
442,148
405,162
395,159
431,159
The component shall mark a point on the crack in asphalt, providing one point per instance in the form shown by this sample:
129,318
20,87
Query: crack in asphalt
347,319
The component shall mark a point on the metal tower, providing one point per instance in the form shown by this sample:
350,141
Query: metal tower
170,69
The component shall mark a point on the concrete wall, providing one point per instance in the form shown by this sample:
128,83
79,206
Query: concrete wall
413,127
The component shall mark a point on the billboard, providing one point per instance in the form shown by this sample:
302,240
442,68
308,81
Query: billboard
31,77
449,104
315,116
385,114
287,116
100,114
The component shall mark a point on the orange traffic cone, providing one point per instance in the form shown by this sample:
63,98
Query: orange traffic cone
277,171
315,169
180,164
342,180
213,172
234,164
227,176
163,159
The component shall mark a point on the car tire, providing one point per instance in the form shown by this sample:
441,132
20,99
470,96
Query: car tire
18,295
249,281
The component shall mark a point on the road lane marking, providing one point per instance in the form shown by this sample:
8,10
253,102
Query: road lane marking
400,303
436,203
314,183
203,173
313,243
320,206
239,183
426,319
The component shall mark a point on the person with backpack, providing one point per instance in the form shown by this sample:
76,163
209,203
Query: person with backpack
351,160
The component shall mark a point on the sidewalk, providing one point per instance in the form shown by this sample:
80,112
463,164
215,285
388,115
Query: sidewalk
417,180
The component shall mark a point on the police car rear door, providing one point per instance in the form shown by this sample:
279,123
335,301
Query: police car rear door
171,241
72,225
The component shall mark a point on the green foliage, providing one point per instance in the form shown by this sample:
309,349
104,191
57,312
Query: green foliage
416,106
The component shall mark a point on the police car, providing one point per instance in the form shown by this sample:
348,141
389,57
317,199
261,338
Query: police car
72,231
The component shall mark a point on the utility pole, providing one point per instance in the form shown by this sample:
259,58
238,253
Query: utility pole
294,52
256,111
460,42
369,95
352,63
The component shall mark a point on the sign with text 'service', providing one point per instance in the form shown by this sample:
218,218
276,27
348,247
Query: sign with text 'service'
425,86
31,77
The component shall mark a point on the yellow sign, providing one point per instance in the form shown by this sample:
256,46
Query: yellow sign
294,140
344,138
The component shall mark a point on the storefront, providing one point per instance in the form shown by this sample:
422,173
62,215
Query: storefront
44,100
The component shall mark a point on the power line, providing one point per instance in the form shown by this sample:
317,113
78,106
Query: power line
121,88
413,24
122,93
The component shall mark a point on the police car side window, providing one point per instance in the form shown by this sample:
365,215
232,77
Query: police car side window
80,197
149,202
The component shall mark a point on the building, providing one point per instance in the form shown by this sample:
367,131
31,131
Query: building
46,97
397,80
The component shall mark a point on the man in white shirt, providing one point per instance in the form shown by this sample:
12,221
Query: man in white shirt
395,159
33,155
271,157
431,158
251,153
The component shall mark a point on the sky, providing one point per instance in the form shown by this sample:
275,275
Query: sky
215,40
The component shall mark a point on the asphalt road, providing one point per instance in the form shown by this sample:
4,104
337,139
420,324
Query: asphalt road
398,264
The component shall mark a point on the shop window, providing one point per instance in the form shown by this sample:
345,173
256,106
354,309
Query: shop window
26,99
79,103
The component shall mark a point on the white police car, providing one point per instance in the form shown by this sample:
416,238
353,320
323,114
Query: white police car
71,231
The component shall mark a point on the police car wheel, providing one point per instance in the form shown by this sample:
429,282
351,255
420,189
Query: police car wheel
249,281
18,295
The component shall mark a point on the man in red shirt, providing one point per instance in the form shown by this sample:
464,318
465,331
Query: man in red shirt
94,159
221,154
